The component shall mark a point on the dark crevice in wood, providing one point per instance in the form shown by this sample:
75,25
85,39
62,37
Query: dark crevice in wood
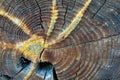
92,41
40,14
23,62
99,8
65,16
69,2
6,77
46,69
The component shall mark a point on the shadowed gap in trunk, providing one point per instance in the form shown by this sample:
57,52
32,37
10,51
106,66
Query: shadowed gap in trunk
46,71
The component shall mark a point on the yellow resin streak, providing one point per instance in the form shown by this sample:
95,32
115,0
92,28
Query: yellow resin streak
72,26
15,20
54,17
33,47
31,71
6,46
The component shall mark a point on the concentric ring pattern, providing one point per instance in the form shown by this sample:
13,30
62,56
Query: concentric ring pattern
80,38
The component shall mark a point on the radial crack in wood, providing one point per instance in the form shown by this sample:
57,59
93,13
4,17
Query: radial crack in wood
72,25
85,46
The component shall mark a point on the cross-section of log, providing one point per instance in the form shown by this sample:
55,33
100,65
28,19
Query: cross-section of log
59,39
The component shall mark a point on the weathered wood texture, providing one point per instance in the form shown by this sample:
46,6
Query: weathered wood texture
91,51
